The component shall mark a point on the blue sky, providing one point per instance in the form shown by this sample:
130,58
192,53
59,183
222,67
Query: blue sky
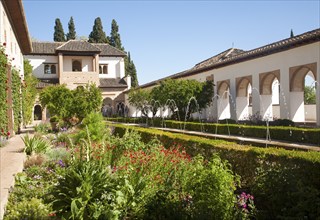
166,37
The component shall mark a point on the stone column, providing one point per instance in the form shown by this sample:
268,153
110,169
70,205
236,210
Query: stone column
266,107
285,93
255,94
232,99
318,94
60,69
242,107
214,106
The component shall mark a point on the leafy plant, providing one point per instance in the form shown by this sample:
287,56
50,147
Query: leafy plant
35,145
33,209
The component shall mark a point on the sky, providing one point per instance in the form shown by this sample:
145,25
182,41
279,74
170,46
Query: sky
166,37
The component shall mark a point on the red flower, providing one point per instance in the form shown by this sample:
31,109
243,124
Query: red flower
4,44
8,133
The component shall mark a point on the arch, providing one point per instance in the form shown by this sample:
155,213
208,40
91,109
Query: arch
242,86
37,112
76,66
53,69
120,108
297,77
266,80
107,107
47,69
223,88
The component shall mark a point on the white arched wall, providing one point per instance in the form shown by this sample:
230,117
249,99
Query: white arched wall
224,100
297,77
242,100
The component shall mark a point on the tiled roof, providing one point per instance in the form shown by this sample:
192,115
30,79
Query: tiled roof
78,46
51,48
46,82
108,50
237,56
112,83
45,48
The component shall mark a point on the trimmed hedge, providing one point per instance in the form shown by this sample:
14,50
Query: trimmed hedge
290,134
285,183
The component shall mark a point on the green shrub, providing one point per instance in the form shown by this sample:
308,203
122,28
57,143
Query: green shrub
93,128
300,170
35,145
33,209
42,128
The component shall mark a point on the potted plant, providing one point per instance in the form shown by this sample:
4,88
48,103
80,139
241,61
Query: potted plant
54,120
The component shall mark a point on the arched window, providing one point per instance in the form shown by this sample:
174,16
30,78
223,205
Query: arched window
76,66
53,69
105,69
47,69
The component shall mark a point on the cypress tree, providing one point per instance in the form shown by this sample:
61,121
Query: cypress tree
130,69
58,35
71,35
97,34
291,33
115,40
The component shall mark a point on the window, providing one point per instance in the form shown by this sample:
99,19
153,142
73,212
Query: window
76,66
103,69
50,68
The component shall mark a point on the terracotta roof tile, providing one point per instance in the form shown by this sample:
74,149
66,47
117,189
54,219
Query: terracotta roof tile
112,83
108,50
78,46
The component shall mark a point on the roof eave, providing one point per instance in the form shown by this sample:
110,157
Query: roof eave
16,15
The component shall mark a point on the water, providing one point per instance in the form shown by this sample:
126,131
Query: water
197,111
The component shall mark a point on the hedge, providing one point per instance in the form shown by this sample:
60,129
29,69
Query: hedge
290,134
285,183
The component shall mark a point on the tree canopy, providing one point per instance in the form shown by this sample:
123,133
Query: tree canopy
140,99
309,95
71,35
66,103
115,39
58,34
130,70
97,34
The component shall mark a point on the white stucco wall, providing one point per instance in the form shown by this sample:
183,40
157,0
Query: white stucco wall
37,62
7,37
115,67
86,62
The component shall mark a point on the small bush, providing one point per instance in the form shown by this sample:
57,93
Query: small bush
34,160
33,209
35,145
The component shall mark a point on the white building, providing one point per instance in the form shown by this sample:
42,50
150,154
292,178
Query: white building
14,38
267,81
76,63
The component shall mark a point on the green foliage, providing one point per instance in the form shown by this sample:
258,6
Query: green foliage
182,92
309,95
16,99
35,144
58,34
33,209
66,103
86,100
115,39
97,34
130,70
275,175
140,99
94,128
29,93
57,99
42,128
3,92
71,35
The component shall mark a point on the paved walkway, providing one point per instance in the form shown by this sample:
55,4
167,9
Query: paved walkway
12,158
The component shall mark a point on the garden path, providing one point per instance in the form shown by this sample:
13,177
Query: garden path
12,158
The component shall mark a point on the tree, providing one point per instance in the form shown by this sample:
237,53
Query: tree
29,93
114,39
140,99
178,96
97,34
309,95
130,70
66,103
71,35
291,33
58,35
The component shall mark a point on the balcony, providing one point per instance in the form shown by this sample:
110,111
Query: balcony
74,79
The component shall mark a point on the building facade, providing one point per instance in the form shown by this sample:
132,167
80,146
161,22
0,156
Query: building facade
267,82
15,41
76,63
